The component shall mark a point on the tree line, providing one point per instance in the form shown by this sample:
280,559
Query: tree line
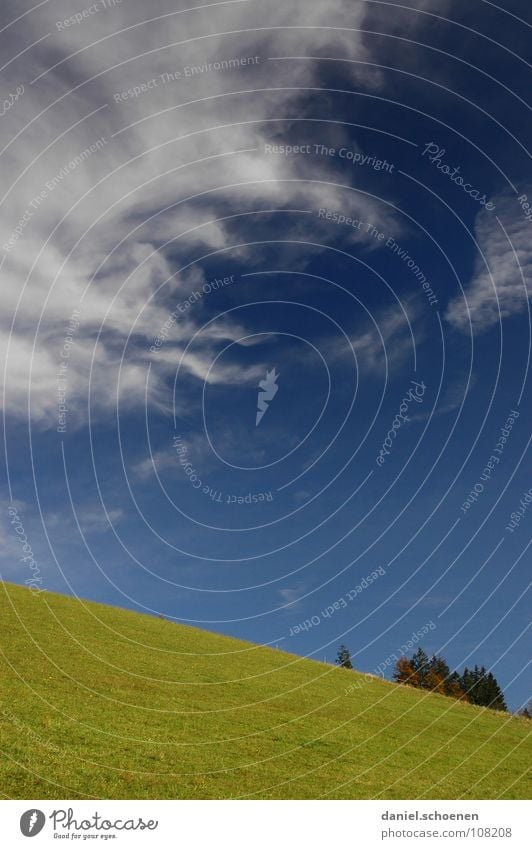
476,686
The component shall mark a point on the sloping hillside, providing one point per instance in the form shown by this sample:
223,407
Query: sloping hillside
101,702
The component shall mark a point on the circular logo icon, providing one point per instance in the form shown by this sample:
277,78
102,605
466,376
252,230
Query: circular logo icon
32,822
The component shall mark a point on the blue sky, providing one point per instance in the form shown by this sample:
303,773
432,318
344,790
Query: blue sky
350,211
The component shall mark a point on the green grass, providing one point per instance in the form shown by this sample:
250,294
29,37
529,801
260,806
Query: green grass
105,703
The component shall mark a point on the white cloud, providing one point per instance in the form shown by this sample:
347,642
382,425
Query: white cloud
159,460
197,451
92,519
501,283
388,339
291,596
112,200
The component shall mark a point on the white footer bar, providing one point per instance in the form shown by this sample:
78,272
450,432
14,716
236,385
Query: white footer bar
265,824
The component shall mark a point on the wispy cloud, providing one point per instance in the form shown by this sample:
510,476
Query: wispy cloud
108,235
502,281
454,394
387,340
291,597
92,519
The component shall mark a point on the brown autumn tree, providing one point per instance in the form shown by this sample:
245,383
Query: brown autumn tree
435,683
454,688
404,673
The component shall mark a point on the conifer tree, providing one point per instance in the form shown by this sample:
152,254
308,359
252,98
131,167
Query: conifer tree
494,694
467,681
481,688
477,685
439,667
343,658
421,666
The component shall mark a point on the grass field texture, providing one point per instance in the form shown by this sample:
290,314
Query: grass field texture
105,703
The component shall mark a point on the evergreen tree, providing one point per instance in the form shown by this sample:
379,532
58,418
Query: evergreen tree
467,682
437,675
471,685
481,688
439,667
343,658
421,666
477,685
494,694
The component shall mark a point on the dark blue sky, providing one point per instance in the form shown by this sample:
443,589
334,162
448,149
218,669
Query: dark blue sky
402,333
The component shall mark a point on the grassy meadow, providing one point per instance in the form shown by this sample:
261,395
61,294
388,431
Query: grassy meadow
101,702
